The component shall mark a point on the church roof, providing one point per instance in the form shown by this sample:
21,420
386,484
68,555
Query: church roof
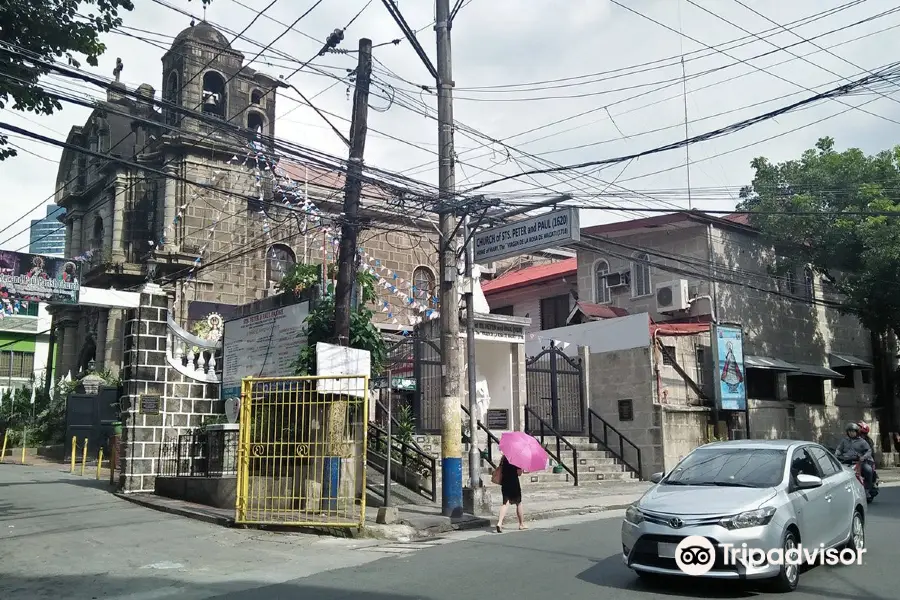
204,33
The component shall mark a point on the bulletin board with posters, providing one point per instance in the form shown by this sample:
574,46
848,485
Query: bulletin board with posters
36,278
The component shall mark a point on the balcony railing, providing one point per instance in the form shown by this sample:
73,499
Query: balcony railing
192,356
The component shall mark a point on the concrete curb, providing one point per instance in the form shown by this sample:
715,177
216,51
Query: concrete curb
175,510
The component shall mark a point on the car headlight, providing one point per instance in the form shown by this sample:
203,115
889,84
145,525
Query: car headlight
633,515
751,518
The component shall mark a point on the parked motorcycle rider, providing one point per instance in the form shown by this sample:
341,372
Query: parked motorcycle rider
852,449
864,434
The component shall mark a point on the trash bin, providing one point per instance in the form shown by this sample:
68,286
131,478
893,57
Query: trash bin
108,430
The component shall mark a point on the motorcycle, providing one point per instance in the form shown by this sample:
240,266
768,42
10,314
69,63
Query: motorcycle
857,469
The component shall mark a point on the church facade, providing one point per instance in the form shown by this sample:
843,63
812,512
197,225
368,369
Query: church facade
187,192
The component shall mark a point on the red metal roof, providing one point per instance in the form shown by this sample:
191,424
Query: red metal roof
530,276
601,311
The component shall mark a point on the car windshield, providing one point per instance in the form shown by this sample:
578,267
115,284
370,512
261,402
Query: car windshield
731,467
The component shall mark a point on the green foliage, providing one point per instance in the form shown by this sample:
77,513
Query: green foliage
300,278
858,253
47,426
406,425
45,31
363,333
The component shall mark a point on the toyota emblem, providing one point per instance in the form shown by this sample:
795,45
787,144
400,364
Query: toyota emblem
676,523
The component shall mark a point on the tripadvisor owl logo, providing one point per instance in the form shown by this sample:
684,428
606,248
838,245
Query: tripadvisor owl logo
696,555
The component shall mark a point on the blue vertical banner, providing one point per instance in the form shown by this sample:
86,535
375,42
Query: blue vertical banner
729,377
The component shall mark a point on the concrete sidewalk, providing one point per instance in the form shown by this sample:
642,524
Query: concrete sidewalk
422,522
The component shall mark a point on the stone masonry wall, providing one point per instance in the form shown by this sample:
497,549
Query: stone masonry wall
218,222
183,403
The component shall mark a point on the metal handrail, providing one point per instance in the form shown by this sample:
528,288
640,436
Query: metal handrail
604,441
560,440
406,455
396,421
492,439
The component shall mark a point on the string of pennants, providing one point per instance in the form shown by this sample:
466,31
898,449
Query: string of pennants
412,299
559,343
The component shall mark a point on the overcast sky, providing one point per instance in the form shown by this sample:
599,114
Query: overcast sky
594,46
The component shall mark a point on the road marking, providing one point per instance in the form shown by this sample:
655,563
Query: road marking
165,565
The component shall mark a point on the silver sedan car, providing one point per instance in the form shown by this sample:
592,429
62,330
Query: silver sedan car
789,496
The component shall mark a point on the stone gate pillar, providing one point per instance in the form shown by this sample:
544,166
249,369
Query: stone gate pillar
177,398
144,375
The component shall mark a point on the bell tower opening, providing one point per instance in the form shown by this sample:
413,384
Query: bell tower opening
256,124
256,97
173,97
214,95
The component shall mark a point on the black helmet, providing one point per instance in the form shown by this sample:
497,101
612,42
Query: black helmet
852,427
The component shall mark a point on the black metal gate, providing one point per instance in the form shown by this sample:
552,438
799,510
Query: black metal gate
556,389
419,359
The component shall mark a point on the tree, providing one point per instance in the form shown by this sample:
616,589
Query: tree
44,31
858,253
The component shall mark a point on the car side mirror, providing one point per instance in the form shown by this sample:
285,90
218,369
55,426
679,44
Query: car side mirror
808,482
657,477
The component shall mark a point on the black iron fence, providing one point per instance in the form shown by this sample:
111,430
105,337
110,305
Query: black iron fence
200,454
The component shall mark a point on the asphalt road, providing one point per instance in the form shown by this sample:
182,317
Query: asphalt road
62,537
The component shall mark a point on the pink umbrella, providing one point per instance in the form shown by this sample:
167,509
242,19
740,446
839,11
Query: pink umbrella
523,451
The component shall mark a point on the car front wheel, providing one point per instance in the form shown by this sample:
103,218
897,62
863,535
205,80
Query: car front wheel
789,576
857,541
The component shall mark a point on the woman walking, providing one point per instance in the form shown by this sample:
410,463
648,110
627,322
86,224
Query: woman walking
512,492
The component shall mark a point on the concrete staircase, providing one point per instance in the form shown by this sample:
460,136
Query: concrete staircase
596,467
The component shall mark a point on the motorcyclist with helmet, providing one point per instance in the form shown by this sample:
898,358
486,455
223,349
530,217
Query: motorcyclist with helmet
854,449
864,434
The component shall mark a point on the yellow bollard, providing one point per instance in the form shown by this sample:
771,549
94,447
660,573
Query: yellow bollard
24,443
74,448
84,457
99,463
5,439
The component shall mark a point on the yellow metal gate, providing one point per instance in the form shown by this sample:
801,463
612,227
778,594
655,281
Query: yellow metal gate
302,451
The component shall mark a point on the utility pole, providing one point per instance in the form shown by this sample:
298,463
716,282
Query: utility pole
474,454
347,256
451,430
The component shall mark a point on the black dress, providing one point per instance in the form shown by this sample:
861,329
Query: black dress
509,485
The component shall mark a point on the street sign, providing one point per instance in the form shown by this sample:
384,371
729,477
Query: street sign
556,228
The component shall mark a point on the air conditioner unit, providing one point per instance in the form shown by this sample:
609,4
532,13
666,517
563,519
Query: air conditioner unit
616,280
672,296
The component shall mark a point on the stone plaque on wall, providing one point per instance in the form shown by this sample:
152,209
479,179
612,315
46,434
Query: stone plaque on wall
497,418
150,405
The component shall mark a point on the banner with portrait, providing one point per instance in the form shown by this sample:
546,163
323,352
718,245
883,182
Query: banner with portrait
729,375
36,278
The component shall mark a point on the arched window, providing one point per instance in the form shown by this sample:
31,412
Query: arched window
214,96
423,279
171,95
256,97
640,275
602,294
97,236
809,284
256,123
279,260
790,282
